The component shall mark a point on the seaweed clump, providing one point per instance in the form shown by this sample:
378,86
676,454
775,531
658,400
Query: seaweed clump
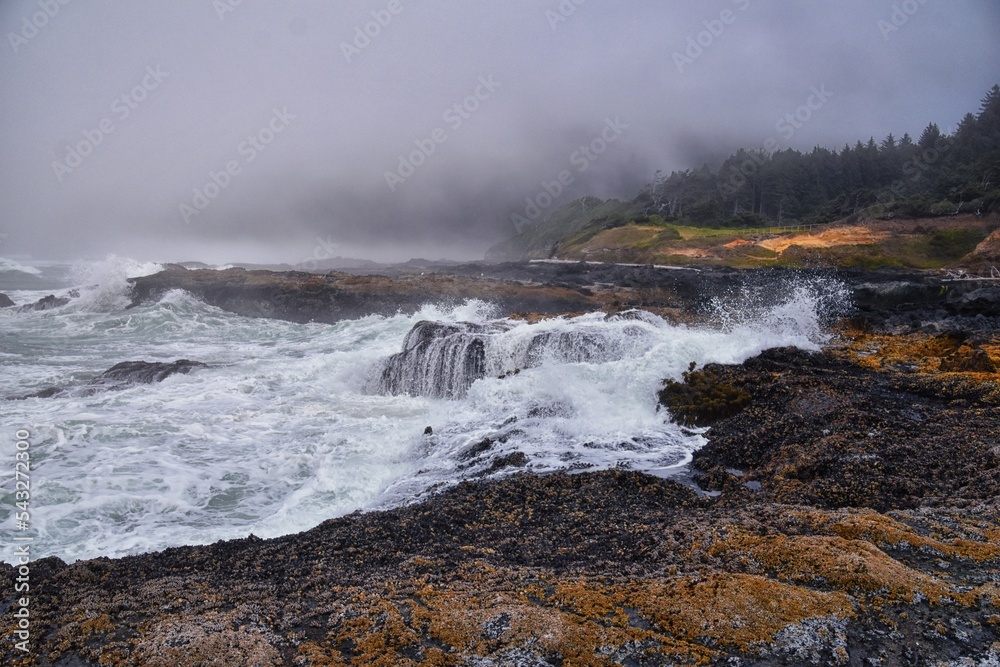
968,359
701,398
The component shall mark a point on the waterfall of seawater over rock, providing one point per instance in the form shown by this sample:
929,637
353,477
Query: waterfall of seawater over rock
290,424
441,360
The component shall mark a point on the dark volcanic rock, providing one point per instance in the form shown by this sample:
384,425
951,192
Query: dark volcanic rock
307,297
896,299
560,569
45,303
48,392
121,376
5,301
913,301
444,360
822,431
984,301
142,372
439,360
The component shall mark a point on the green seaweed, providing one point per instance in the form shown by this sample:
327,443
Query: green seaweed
701,399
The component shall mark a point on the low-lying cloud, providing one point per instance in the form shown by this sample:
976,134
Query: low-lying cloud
256,130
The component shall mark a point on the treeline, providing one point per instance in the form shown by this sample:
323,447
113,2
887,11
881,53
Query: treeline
937,174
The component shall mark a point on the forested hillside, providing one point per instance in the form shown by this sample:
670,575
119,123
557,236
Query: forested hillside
937,174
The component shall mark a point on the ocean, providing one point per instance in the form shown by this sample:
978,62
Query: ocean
292,424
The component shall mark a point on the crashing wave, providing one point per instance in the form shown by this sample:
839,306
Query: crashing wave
444,360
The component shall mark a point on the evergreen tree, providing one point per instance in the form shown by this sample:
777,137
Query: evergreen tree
889,177
930,136
989,110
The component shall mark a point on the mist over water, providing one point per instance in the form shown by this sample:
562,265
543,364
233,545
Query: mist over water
290,423
264,131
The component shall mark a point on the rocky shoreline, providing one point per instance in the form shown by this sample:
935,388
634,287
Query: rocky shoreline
891,300
848,511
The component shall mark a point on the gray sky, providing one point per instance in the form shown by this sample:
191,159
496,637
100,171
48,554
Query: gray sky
116,114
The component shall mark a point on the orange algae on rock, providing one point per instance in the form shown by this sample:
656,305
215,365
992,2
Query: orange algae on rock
853,566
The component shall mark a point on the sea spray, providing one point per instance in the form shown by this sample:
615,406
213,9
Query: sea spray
807,303
103,285
580,393
284,430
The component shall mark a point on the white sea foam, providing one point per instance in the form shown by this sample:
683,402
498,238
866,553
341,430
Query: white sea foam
282,431
103,285
599,412
14,265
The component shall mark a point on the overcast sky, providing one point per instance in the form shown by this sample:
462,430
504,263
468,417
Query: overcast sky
117,114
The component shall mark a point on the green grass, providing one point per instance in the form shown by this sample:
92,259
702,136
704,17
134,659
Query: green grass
727,233
696,233
949,245
571,228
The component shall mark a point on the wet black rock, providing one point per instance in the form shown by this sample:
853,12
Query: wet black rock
5,301
142,372
907,301
482,570
45,303
444,360
308,297
897,300
439,360
823,431
48,392
985,301
121,376
513,460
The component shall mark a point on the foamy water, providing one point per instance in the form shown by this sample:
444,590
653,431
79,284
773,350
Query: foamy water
284,430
